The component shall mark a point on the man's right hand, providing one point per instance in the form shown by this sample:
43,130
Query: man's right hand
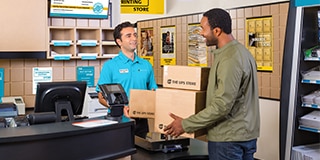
102,100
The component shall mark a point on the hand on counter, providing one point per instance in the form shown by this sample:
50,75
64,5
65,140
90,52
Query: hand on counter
174,128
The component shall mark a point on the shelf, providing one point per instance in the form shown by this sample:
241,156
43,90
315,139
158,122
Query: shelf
305,128
310,81
88,56
310,105
111,43
62,57
109,55
81,43
88,43
64,43
312,59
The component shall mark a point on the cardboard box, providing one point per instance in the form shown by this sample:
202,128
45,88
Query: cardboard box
183,103
142,103
186,77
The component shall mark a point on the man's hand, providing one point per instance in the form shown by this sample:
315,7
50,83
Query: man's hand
175,128
126,111
102,100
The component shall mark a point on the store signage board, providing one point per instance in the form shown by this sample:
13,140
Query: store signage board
301,3
79,9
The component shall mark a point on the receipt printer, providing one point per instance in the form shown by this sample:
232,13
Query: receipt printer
18,101
116,97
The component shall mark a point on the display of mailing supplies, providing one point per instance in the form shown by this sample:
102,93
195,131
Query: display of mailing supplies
313,98
306,152
312,74
311,120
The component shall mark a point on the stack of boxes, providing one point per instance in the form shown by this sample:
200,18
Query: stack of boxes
183,94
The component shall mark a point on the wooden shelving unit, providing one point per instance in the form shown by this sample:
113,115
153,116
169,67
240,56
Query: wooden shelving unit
85,43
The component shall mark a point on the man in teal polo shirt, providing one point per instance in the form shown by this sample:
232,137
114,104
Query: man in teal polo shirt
131,71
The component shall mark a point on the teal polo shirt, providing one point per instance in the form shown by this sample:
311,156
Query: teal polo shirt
137,74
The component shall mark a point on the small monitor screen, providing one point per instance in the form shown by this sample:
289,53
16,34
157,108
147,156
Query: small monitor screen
113,88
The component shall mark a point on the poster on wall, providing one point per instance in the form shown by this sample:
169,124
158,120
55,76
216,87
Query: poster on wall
40,75
168,38
86,73
145,50
197,49
259,41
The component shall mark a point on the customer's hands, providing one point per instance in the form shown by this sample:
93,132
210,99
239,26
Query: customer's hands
126,111
174,128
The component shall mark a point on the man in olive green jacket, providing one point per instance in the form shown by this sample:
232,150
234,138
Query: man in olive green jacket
232,114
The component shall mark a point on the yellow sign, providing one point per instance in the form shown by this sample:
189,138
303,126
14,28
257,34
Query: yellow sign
142,6
259,42
168,44
148,58
145,49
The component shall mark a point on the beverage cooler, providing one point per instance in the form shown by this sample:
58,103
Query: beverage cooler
300,90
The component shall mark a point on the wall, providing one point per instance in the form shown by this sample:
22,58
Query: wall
269,82
18,74
183,7
268,142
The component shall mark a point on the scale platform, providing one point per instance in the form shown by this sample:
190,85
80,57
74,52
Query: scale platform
157,142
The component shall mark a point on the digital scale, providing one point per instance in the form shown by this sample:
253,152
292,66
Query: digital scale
116,97
158,142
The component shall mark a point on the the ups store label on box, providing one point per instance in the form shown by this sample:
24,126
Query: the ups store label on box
186,77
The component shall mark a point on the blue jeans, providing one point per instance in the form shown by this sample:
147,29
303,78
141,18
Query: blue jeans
232,150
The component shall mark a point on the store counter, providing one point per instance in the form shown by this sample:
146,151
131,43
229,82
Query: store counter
62,140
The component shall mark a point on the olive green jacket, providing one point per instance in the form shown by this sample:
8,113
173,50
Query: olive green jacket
232,103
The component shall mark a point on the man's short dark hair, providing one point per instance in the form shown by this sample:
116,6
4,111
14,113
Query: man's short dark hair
219,18
118,29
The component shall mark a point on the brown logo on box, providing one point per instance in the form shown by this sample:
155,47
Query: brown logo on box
181,82
162,126
142,113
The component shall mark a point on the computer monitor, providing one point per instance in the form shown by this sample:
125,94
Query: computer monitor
64,98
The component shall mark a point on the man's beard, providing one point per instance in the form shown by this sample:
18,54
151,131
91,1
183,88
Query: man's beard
212,40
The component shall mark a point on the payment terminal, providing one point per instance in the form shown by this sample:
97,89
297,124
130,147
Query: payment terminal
116,97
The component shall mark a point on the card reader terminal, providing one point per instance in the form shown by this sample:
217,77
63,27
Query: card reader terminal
116,97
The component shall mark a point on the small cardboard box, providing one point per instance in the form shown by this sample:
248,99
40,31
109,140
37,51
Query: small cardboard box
186,77
183,103
142,103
